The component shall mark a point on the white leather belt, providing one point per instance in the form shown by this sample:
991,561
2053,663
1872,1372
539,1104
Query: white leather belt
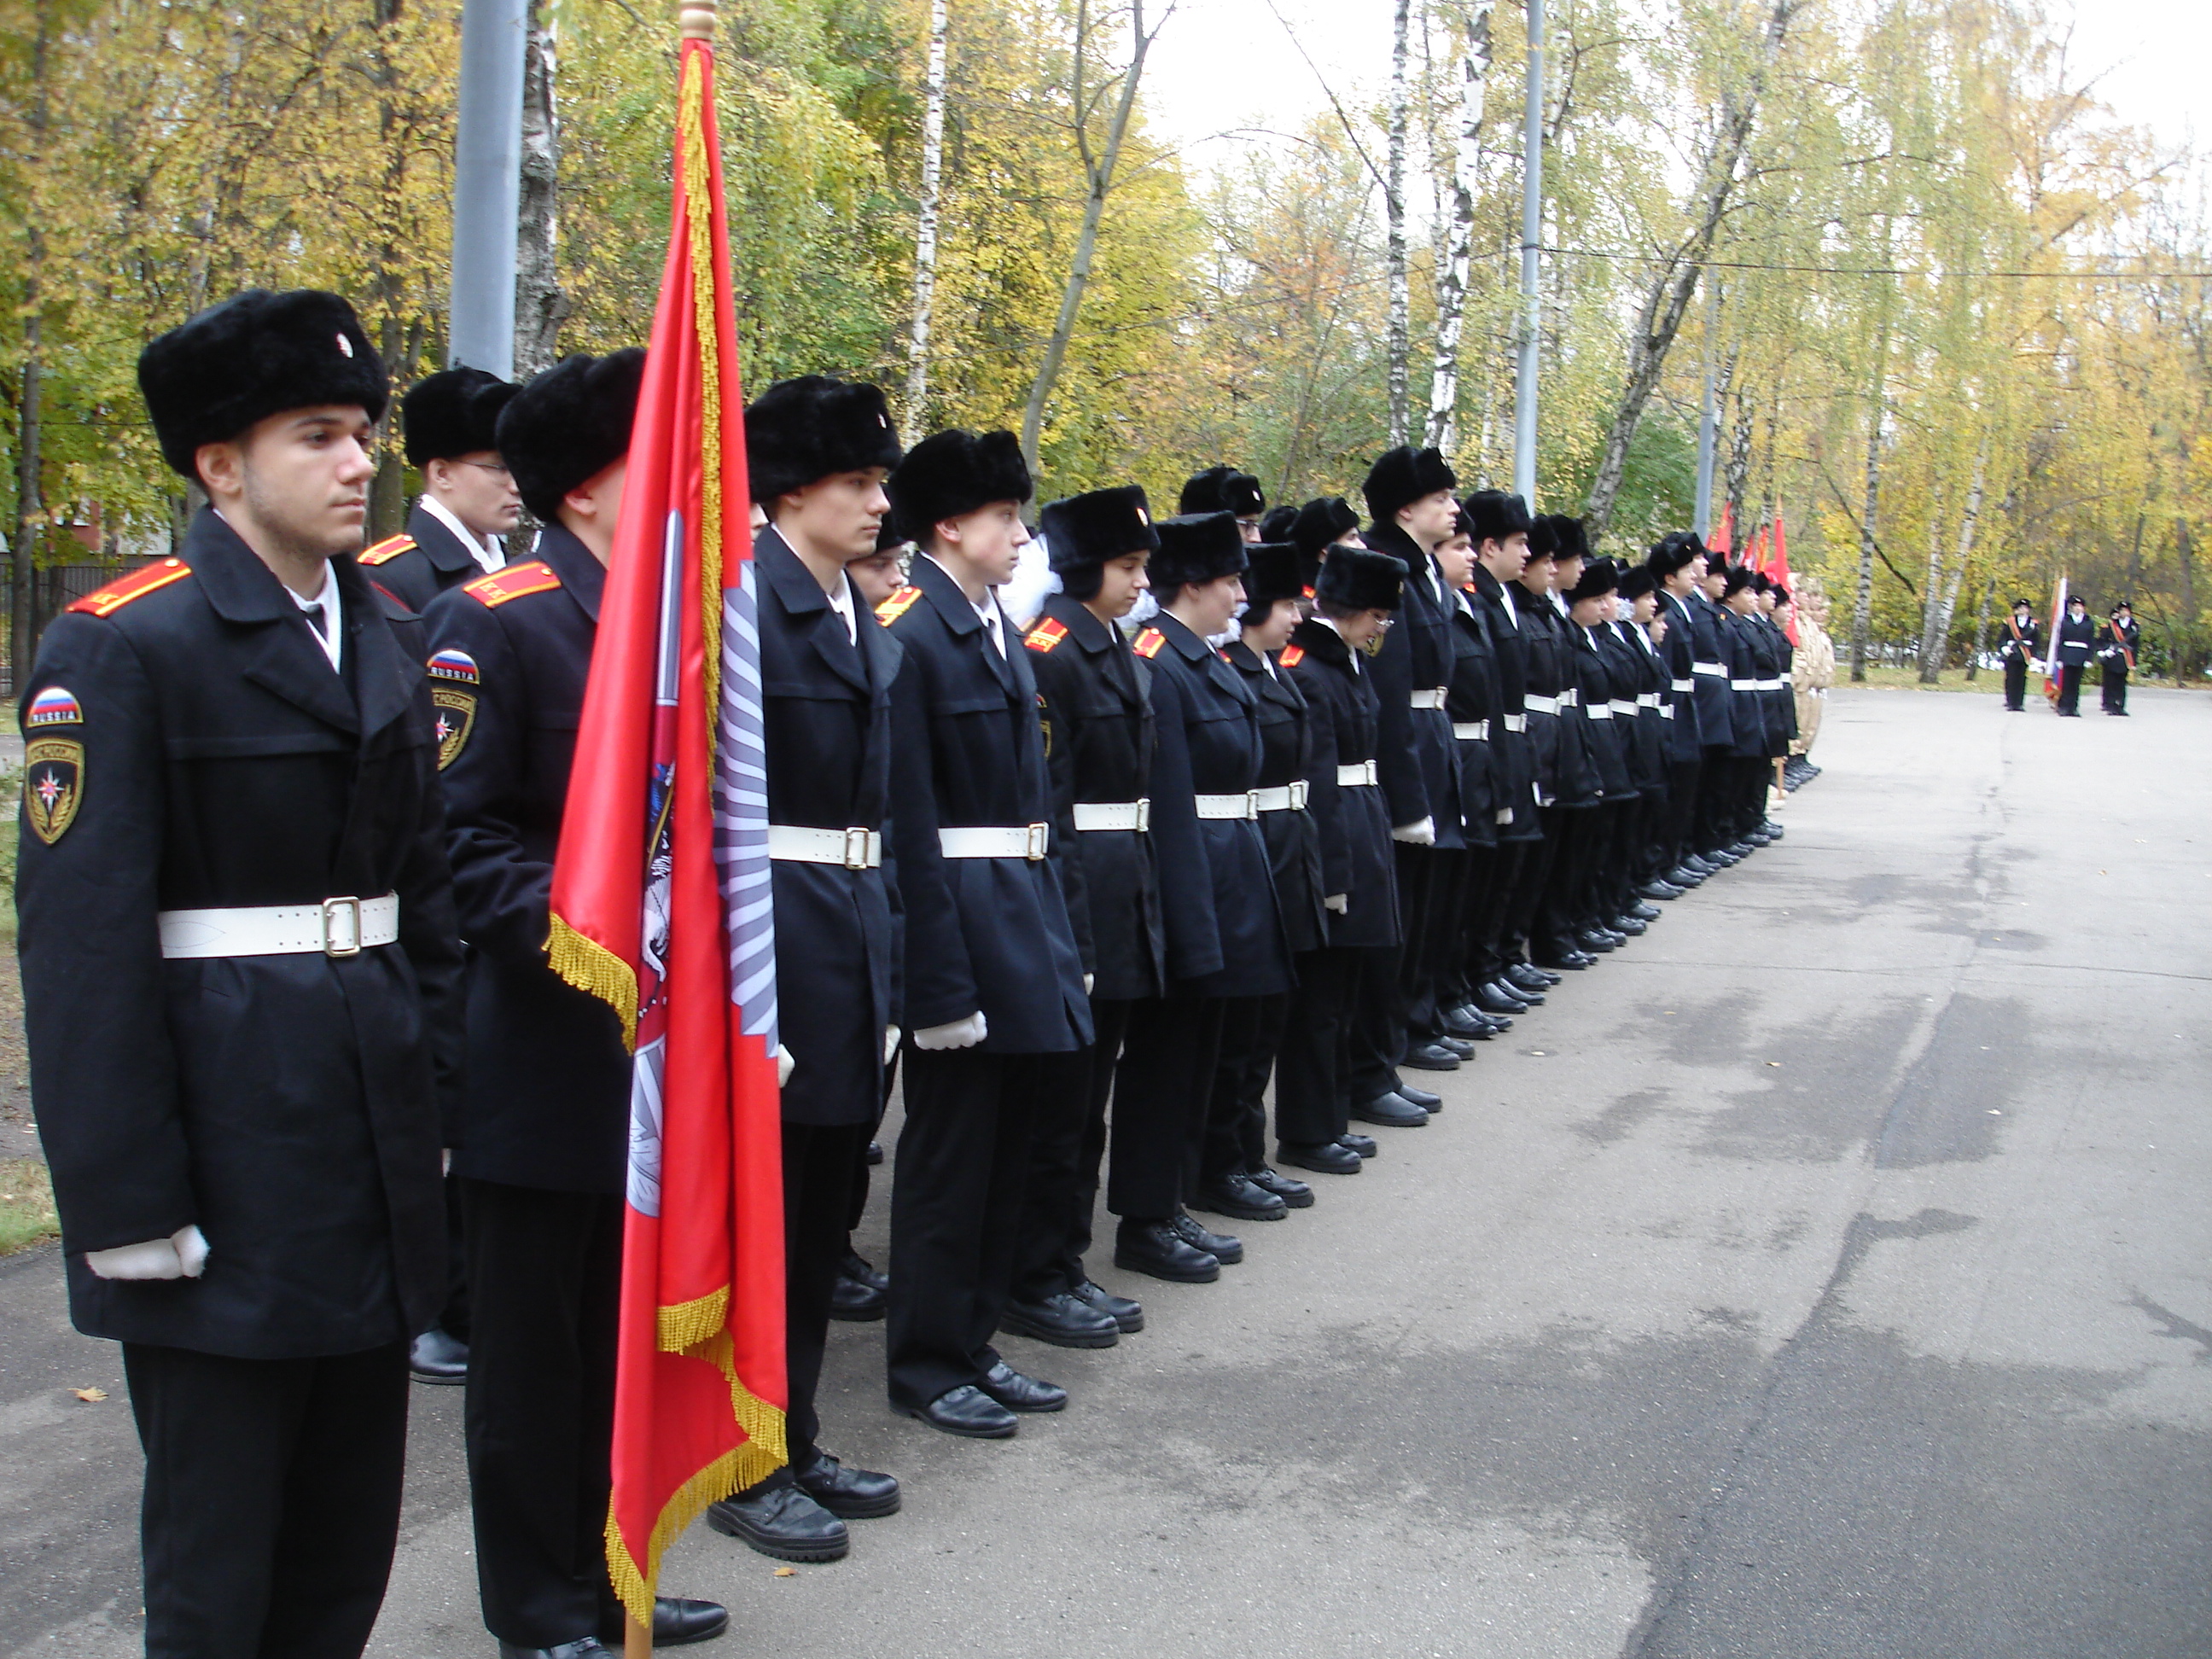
1246,806
335,927
1599,711
1471,731
1571,698
1114,814
1537,705
1712,668
1283,798
1743,685
854,849
1358,775
1770,685
1647,699
1516,722
1022,841
1666,711
1430,698
1683,685
1624,705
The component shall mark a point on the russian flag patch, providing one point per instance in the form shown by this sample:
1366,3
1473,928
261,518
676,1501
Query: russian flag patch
54,707
453,666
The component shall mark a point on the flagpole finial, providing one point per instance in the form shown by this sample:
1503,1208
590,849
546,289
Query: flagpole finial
694,20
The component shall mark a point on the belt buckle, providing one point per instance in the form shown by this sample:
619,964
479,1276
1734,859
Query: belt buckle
856,848
1251,805
1144,814
1298,795
1374,769
329,909
1039,843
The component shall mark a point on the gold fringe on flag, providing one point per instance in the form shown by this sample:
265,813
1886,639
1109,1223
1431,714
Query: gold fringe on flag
597,971
699,227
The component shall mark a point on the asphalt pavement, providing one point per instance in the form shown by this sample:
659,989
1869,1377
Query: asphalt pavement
1824,1276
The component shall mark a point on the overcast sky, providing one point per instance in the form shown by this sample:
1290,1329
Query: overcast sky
1222,64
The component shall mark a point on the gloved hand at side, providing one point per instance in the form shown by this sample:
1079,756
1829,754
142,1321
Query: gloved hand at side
960,1033
1422,834
182,1254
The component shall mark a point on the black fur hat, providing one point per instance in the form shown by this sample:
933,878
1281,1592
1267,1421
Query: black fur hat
1275,523
1405,475
1496,515
1360,578
802,429
1637,580
454,413
1198,547
255,354
1543,539
1081,531
1739,578
1324,520
568,425
1276,573
950,473
1599,577
1567,534
1671,552
1223,489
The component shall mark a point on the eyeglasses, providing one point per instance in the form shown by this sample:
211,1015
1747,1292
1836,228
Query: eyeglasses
497,469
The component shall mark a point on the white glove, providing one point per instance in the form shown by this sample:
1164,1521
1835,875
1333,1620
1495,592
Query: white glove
182,1254
1422,834
960,1033
1340,903
891,1042
1089,980
785,1066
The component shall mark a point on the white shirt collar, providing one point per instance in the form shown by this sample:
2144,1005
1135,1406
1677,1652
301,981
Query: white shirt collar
841,601
332,636
988,609
485,549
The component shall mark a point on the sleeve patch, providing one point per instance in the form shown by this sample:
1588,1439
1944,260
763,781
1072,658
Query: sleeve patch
457,718
107,601
55,705
53,785
1046,635
516,581
897,605
451,665
1149,642
385,551
1292,656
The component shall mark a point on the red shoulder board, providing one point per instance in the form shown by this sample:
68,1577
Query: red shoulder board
385,551
1292,656
516,581
105,601
1046,635
1149,642
897,605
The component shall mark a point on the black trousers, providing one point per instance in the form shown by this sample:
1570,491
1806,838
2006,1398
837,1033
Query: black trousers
820,1164
2015,682
1313,1047
1425,984
1573,832
271,1502
545,1280
1535,878
454,1320
1067,1149
1490,946
1715,796
1162,1087
956,1209
2070,689
1236,1136
1376,1040
2115,696
1679,818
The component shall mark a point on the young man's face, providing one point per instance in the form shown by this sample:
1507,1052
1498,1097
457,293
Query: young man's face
1645,607
478,490
1565,573
838,516
1272,632
1248,528
877,577
1363,627
1714,582
1455,561
300,477
1505,559
1121,582
1589,613
1536,573
1429,520
991,539
1208,608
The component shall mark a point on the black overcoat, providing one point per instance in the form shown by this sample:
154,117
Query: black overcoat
1420,761
1711,668
1286,757
549,1078
418,566
289,1106
1599,685
1485,786
1679,650
1513,757
2077,637
1747,718
1646,731
990,935
1358,859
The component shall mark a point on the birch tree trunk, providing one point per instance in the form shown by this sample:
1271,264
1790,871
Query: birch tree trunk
1667,298
1443,430
1935,640
925,233
1981,629
540,306
1400,347
1098,168
1862,605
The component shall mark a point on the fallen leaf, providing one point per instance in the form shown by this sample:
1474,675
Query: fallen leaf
1775,1063
90,1396
787,1572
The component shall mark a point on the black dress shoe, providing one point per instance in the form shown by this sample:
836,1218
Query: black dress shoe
1495,1025
1018,1393
849,1494
1157,1248
966,1411
1681,877
849,1299
1460,1048
678,1620
1323,1156
1463,1022
1643,912
1573,961
1627,927
1295,1195
856,1265
1392,1111
586,1647
438,1356
1127,1315
1062,1321
781,1521
1595,941
1239,1197
1528,976
1772,830
1421,1097
1506,990
875,1154
1495,999
1657,888
1430,1057
1365,1146
1224,1248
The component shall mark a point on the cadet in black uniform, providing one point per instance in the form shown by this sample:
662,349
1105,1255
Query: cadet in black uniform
2116,656
1206,723
2020,650
2077,640
1097,707
1650,734
468,501
994,975
1252,1032
240,981
817,451
1356,594
544,1136
1712,671
1224,489
1678,566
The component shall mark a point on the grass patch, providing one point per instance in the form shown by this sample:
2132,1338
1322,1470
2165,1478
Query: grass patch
27,1204
1880,679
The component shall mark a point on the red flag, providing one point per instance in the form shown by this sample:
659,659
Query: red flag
660,905
1718,541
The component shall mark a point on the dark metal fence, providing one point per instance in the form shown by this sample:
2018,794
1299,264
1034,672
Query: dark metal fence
53,589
